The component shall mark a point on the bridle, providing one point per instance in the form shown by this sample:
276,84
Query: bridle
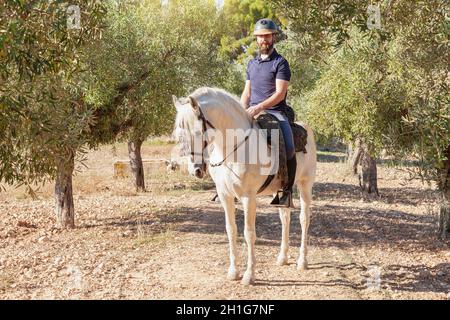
205,124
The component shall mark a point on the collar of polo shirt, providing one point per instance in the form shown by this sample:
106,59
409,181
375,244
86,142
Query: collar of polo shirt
272,56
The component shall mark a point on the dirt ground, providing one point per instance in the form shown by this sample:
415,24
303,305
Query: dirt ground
170,242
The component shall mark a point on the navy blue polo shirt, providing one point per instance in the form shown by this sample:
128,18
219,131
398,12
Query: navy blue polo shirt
263,73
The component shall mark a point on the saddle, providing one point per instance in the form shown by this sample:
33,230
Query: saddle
269,122
300,134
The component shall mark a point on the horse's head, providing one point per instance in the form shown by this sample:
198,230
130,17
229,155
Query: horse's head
190,131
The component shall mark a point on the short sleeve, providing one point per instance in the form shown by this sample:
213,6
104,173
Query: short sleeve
283,71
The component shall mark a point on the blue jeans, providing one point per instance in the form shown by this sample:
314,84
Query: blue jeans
287,132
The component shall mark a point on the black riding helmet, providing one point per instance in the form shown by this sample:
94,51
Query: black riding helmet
265,26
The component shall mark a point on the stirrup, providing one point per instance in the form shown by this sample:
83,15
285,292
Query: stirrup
275,201
216,199
285,201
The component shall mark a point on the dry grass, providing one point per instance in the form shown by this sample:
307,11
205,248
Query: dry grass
96,174
146,236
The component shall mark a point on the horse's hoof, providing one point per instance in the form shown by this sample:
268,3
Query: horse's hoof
233,275
282,260
247,279
302,265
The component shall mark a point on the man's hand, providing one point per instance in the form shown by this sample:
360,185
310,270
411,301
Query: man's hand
255,110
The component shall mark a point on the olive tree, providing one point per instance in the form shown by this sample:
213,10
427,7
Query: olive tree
67,89
41,114
405,56
165,51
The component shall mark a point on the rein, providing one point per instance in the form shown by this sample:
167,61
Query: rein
205,123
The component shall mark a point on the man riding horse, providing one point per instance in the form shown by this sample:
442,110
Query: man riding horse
266,87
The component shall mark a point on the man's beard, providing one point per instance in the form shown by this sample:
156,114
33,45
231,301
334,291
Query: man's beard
265,48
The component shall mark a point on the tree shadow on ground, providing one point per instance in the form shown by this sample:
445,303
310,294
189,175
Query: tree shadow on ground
331,158
417,278
308,283
359,227
344,192
339,282
331,224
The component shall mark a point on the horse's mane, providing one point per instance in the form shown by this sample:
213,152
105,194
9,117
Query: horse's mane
211,100
218,98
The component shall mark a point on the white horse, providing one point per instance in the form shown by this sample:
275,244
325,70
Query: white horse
215,110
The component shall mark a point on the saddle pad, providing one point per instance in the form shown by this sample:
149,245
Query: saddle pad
269,122
300,137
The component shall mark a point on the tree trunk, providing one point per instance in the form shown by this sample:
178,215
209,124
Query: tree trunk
368,176
64,209
444,187
134,152
355,157
444,218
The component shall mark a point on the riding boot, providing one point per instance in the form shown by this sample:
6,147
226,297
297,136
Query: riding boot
286,198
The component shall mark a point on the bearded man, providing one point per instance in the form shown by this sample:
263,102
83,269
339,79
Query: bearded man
266,87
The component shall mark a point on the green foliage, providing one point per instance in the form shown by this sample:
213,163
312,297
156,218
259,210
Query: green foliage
166,50
35,40
40,116
238,41
418,65
349,100
388,87
64,90
321,24
305,69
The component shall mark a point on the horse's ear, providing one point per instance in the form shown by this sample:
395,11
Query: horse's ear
194,103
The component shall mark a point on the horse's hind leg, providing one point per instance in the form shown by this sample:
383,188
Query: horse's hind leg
230,223
305,188
285,217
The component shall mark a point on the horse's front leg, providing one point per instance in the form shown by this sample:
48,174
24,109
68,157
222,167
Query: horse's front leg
285,217
230,225
249,204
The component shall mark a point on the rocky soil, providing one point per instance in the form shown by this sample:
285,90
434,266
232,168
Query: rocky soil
170,242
